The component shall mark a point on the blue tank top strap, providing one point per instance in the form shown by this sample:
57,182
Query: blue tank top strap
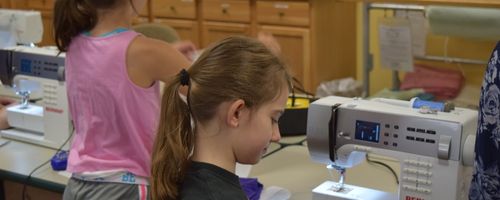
113,32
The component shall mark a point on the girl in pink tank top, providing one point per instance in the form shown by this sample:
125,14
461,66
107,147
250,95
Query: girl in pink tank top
112,78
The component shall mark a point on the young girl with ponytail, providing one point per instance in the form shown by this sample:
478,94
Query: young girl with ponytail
112,76
236,92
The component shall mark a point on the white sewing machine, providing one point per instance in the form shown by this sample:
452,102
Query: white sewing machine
435,150
47,121
20,27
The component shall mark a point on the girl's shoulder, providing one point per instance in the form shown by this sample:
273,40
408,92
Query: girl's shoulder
158,59
143,45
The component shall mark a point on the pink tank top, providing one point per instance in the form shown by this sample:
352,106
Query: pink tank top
115,120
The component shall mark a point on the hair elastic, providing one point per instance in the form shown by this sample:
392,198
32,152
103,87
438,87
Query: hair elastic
184,76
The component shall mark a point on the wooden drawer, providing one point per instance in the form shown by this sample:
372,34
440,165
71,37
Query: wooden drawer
41,4
283,13
227,10
184,9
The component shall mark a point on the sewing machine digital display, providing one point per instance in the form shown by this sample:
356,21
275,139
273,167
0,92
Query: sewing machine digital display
367,131
43,66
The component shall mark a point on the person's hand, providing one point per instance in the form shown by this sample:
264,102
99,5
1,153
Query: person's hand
4,102
270,42
187,49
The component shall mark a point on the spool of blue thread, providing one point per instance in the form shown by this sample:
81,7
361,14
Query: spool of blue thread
418,103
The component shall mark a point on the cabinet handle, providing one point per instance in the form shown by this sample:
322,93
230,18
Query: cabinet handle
224,7
281,14
172,8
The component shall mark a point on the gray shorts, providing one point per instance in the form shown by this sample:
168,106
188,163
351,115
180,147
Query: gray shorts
77,189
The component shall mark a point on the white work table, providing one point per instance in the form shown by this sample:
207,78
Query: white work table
287,165
18,159
293,169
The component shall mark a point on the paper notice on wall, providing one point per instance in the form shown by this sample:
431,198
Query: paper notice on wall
395,44
418,29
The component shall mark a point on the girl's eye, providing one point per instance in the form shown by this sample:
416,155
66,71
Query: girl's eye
275,121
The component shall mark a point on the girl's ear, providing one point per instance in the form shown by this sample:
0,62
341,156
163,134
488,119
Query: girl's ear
233,116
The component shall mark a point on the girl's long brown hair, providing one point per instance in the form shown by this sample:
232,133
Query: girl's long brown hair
235,68
72,17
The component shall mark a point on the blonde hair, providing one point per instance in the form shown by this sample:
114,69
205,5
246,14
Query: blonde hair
234,68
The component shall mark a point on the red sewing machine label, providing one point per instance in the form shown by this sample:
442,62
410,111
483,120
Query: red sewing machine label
413,198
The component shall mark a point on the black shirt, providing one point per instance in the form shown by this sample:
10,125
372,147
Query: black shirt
207,181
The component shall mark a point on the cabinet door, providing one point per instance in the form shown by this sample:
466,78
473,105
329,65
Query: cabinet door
295,46
48,29
4,4
186,29
183,9
226,10
41,4
18,4
215,31
293,13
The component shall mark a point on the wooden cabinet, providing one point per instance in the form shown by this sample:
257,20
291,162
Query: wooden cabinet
4,4
304,29
183,9
283,13
182,15
215,31
295,46
41,4
289,22
48,30
317,37
223,18
187,29
227,10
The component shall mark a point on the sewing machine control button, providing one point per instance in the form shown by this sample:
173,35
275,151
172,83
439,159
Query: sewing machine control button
424,173
394,144
430,141
425,164
410,129
420,139
410,188
409,179
431,132
386,134
411,171
395,135
423,181
420,130
387,125
410,138
396,127
423,190
386,143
